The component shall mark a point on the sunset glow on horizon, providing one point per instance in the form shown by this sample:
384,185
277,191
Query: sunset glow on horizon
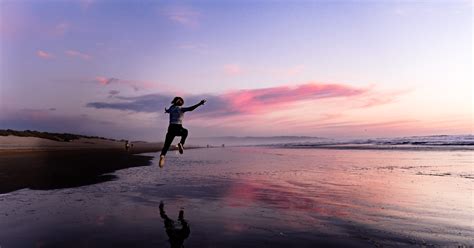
267,68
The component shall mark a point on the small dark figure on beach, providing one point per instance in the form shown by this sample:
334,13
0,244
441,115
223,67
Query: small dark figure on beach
127,145
175,128
176,235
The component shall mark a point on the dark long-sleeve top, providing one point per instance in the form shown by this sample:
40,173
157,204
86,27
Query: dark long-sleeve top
177,113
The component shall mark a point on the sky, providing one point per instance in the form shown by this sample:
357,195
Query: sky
267,68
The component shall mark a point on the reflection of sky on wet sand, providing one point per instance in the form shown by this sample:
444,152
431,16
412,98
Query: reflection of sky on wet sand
259,196
380,189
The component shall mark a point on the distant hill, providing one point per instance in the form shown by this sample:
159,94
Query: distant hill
63,137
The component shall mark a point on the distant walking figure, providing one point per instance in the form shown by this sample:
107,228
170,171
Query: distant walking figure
175,128
127,145
176,235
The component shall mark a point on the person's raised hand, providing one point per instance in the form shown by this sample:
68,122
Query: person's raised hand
203,101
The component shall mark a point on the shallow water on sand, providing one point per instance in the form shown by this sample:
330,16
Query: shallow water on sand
258,197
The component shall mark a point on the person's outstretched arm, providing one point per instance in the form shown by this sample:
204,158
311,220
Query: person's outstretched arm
162,212
191,108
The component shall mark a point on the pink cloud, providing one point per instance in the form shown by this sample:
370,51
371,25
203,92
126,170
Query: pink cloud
73,53
308,107
44,55
232,70
104,80
241,103
256,100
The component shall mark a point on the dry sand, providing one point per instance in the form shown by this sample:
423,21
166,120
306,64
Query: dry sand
9,144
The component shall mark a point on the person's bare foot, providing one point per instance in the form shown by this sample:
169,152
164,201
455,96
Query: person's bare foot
162,161
180,148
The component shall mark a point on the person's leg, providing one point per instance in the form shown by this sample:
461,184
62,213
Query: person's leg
185,230
169,139
184,134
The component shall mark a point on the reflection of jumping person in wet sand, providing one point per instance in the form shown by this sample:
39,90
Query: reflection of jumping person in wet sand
175,128
176,236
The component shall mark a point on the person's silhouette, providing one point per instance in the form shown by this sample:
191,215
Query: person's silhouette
175,128
176,235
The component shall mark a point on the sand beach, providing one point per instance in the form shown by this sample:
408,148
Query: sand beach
242,197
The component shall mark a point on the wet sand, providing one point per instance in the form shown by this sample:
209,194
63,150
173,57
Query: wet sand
249,197
47,170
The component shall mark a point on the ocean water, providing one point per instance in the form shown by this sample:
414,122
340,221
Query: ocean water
434,142
258,197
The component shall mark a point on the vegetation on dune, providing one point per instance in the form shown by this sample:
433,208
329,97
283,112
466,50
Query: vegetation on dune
64,137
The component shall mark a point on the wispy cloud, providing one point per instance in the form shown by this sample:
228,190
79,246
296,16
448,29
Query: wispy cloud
105,81
134,84
77,54
113,93
194,47
183,15
147,103
44,55
278,73
85,4
191,46
61,28
232,69
294,70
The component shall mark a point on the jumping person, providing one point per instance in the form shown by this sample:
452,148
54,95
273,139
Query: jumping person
175,128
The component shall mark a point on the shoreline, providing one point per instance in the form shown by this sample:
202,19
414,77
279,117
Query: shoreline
378,147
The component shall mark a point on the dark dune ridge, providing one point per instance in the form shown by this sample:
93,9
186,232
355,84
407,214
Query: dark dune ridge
63,169
63,137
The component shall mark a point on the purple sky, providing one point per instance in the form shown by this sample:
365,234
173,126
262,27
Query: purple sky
317,68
